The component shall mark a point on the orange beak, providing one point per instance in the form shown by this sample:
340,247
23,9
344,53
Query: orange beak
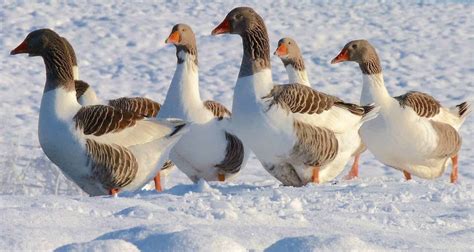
223,27
22,48
342,56
173,38
282,50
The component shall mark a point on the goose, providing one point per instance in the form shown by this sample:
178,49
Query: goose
102,149
209,150
299,135
414,132
290,54
86,96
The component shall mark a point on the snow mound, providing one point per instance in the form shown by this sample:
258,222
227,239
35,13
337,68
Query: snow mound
107,245
321,243
161,238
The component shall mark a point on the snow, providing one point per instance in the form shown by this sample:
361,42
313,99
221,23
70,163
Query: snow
120,46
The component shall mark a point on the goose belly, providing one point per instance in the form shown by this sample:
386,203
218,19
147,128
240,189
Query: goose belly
199,150
404,145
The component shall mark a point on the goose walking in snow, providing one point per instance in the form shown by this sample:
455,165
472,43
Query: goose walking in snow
299,135
140,106
101,148
209,150
414,132
290,54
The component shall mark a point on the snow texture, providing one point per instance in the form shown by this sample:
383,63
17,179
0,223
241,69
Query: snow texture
424,45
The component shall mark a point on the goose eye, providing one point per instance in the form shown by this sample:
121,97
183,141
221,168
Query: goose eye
354,46
238,16
289,43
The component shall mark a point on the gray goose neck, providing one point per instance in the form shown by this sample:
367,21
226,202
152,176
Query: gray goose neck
58,69
371,65
297,63
189,49
256,51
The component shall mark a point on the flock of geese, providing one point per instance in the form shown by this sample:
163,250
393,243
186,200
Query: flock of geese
299,134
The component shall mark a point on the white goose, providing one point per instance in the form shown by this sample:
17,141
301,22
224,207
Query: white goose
140,106
208,151
413,133
298,134
290,54
101,148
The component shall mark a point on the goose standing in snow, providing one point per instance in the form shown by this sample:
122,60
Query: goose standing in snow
290,54
140,106
413,133
299,135
101,148
209,150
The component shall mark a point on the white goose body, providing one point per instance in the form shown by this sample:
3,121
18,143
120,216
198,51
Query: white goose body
100,148
199,152
274,127
413,132
399,137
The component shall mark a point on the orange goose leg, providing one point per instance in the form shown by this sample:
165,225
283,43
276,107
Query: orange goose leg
354,172
157,180
407,175
454,172
315,177
221,177
113,192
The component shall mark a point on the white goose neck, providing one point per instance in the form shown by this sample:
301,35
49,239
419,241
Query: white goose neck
75,72
184,87
374,90
297,76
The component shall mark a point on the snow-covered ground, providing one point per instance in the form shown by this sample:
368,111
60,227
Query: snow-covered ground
121,50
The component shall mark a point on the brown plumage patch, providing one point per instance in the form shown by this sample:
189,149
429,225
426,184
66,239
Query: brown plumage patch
81,88
99,119
234,156
168,164
219,110
449,140
112,165
315,146
299,98
138,105
423,104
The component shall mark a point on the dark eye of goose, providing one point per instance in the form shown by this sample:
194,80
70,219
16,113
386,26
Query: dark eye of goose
289,42
238,16
354,46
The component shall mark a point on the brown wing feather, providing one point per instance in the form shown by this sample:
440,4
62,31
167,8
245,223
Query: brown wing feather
299,98
449,140
99,119
423,104
112,165
219,110
315,146
234,155
138,105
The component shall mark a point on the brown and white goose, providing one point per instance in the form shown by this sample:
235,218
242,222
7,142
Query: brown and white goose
290,54
299,135
413,133
209,150
140,106
101,148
